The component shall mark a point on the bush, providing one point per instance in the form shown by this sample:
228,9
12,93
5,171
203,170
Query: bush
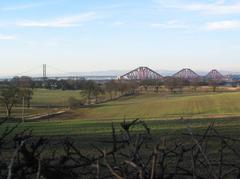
74,103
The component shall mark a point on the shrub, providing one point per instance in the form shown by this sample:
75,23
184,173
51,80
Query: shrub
74,103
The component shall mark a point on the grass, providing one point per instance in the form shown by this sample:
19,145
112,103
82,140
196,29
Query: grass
79,127
161,112
146,106
44,101
44,97
159,106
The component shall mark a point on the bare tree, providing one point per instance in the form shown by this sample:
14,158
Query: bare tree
88,90
9,97
213,84
195,84
27,94
98,90
173,84
110,87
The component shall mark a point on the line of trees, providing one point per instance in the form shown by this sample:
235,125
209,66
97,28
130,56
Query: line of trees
174,84
13,92
170,83
177,84
94,92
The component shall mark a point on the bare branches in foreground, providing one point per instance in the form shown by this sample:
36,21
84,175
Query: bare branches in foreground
130,152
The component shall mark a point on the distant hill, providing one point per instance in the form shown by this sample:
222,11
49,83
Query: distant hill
122,72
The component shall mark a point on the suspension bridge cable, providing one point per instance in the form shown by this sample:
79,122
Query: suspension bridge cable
28,71
58,69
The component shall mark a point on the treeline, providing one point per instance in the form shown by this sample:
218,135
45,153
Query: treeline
94,92
19,90
80,84
47,84
175,85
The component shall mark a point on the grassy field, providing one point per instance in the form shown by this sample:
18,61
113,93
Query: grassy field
43,97
162,113
91,126
146,105
44,101
90,131
159,106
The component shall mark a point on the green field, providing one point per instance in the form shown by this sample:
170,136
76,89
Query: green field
43,97
75,127
164,106
44,102
147,106
162,113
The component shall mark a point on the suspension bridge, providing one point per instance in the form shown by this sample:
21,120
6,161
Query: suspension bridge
48,72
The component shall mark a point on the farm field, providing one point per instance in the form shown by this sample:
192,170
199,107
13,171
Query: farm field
44,97
162,112
79,127
145,105
167,115
163,106
44,102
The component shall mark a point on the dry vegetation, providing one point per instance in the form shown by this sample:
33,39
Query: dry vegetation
130,154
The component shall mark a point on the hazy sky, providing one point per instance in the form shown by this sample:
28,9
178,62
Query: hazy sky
93,35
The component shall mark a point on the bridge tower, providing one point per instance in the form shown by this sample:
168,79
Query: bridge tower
186,73
142,73
44,74
214,75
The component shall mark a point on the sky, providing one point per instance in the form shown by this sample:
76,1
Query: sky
99,35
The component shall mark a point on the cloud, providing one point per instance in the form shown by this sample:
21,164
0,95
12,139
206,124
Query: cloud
223,25
21,7
7,37
68,21
217,7
172,24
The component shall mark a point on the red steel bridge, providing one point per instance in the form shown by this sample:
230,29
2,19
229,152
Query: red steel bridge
214,75
142,73
186,73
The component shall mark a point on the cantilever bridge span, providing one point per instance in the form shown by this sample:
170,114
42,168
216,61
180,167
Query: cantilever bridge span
142,73
145,73
215,75
186,73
